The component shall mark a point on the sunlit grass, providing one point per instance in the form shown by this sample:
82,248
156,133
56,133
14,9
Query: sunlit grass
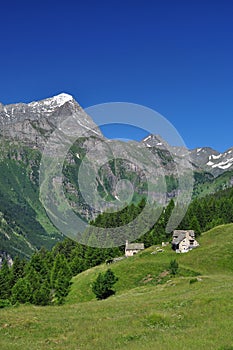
143,314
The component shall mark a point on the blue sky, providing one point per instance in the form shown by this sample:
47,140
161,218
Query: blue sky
175,57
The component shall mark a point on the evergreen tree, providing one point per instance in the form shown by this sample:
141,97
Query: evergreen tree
194,225
102,287
17,270
5,290
60,278
62,286
42,295
22,291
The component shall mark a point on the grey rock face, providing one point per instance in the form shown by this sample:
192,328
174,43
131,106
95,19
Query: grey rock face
212,161
33,123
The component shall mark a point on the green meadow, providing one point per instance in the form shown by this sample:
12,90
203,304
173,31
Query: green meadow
150,310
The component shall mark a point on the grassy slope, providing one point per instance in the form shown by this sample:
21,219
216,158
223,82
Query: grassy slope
143,314
26,222
204,187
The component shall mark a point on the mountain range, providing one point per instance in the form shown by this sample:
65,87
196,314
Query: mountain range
24,132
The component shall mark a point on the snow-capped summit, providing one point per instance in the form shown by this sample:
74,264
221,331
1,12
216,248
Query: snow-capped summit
55,101
33,123
62,98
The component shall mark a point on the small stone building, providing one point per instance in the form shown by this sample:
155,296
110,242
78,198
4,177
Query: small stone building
133,248
184,240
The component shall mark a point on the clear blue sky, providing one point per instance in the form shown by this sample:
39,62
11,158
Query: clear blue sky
173,56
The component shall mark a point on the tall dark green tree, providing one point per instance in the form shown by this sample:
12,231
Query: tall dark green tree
5,290
22,291
17,270
103,286
60,278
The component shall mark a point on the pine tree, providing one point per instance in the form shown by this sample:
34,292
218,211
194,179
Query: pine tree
60,278
5,290
17,270
62,286
102,287
22,291
42,295
194,225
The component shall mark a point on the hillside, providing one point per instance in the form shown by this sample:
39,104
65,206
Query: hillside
214,256
145,313
24,225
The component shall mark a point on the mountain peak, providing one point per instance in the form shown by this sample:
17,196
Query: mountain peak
154,141
57,100
62,98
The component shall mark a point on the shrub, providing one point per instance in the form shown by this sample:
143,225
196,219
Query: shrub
4,303
102,287
173,267
193,280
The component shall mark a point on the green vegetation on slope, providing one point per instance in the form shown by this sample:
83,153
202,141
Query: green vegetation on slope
24,225
206,184
214,256
145,313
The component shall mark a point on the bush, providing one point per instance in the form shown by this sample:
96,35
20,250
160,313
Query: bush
173,267
193,280
4,303
102,287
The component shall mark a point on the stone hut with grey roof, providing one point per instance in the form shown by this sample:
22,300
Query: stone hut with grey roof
184,240
133,248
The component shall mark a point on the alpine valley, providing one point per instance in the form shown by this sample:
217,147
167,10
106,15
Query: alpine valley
24,132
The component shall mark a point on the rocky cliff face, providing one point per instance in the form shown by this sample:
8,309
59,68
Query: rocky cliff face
32,124
212,161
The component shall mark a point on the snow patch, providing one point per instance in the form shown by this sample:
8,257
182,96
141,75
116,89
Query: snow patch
62,98
224,165
216,157
147,138
210,163
55,101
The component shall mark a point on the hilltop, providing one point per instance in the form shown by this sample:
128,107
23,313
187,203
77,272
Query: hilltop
149,311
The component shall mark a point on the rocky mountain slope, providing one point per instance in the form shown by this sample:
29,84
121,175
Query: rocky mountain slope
212,161
24,132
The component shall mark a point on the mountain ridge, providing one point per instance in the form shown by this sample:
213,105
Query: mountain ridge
24,132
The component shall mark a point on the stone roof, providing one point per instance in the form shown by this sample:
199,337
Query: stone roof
179,235
179,238
134,246
181,232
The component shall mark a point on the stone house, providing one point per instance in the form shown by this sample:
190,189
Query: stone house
133,248
184,240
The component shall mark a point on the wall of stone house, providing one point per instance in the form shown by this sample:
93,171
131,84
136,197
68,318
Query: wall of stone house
131,252
184,245
195,243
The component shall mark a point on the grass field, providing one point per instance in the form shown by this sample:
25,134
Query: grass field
149,311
